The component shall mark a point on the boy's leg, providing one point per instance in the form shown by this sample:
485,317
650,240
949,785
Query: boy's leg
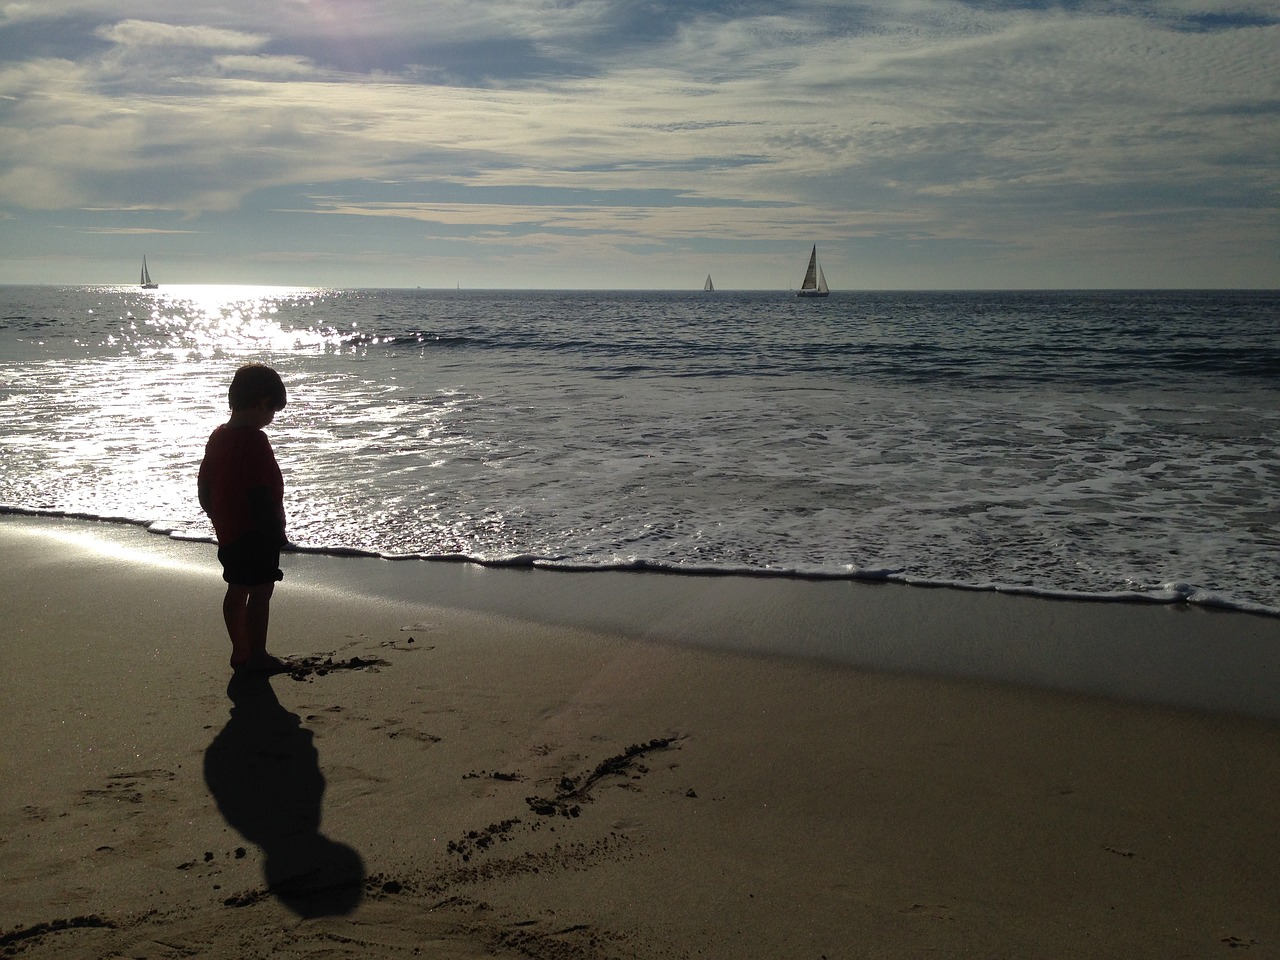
247,614
234,614
257,617
250,567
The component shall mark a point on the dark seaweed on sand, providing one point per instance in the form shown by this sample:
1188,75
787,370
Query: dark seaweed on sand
573,790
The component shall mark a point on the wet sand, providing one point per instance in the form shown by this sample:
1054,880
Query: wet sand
478,763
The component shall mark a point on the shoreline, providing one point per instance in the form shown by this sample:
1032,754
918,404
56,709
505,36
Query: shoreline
471,776
1172,594
1170,654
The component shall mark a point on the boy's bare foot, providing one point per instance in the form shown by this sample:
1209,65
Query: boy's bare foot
262,662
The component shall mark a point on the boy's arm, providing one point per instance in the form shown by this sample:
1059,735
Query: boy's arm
266,513
205,494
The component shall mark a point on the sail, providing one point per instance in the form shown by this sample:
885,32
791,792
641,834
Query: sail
810,281
814,283
146,281
709,286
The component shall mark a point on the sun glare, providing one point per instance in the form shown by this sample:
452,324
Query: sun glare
111,549
211,317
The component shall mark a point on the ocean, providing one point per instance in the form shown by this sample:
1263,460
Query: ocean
1077,444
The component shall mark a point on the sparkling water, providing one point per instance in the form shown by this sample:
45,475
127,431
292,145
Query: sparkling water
1092,444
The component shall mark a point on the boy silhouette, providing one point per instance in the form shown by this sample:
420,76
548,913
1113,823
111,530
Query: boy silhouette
242,491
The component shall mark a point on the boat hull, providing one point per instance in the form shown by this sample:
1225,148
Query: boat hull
812,293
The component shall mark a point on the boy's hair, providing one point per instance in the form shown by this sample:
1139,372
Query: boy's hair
253,383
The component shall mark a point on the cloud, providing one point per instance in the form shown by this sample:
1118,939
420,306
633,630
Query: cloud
145,33
134,231
279,67
992,123
616,221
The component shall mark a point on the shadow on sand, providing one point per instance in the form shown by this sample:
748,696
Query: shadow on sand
264,773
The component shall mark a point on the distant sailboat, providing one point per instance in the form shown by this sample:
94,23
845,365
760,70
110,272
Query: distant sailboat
146,281
814,283
709,287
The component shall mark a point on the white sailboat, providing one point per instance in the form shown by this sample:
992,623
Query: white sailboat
814,283
709,287
146,281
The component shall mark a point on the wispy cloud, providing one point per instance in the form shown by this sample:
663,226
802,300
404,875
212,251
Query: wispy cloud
135,231
267,67
148,33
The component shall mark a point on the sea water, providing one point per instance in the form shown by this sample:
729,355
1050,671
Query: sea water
1083,444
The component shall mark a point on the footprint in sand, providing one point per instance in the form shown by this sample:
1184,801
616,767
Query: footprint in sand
129,787
396,730
418,735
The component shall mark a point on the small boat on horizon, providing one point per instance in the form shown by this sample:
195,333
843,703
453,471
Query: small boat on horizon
146,281
709,287
814,283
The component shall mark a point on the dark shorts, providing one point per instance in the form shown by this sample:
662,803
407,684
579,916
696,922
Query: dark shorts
251,561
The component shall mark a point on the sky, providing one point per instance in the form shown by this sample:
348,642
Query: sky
642,144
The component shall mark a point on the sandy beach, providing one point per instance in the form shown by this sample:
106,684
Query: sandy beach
519,763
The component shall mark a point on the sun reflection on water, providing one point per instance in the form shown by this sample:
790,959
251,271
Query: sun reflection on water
120,395
209,318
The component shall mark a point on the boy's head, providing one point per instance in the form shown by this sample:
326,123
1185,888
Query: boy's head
254,383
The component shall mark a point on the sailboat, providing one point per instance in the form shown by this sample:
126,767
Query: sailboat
814,283
146,281
709,287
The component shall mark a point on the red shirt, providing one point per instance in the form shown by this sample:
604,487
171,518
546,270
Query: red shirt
236,461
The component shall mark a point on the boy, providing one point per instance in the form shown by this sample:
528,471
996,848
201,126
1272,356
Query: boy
242,491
